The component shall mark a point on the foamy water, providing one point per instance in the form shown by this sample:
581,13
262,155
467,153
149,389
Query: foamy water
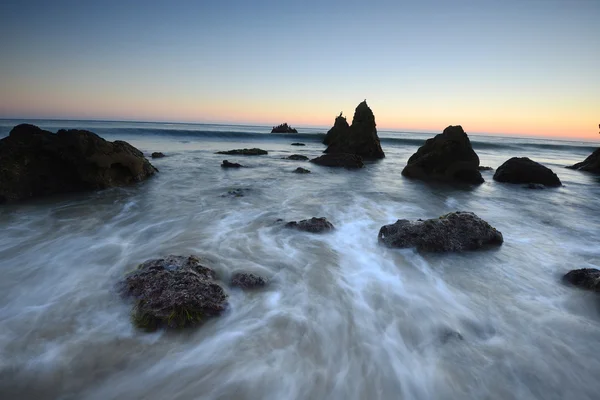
344,318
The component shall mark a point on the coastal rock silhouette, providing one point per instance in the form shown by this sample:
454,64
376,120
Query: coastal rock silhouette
453,232
447,157
313,225
524,170
283,128
173,292
584,278
340,160
590,164
36,163
360,139
245,152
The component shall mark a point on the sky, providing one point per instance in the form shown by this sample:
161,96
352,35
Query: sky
500,67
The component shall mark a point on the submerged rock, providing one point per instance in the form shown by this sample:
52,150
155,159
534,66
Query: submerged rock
457,231
313,225
296,157
584,278
448,157
301,170
173,292
350,161
246,280
283,128
236,192
480,168
360,139
524,170
590,164
37,163
298,144
245,152
340,129
158,154
227,164
535,186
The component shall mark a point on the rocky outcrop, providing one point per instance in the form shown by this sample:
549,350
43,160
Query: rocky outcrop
296,157
457,231
339,130
360,139
37,163
301,170
227,164
590,164
298,144
313,225
173,292
244,152
283,128
340,160
524,170
584,278
157,154
447,157
246,280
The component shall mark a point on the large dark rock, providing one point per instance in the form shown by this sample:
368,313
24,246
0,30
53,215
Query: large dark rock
227,164
584,278
360,139
340,129
524,170
173,292
296,157
590,164
313,225
447,157
36,163
246,280
339,160
244,152
457,231
283,128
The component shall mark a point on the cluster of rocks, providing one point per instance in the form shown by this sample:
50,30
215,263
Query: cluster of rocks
283,128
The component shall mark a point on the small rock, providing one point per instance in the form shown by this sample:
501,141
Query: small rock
298,144
296,157
524,170
236,193
246,280
301,170
313,225
584,278
245,152
157,154
339,160
227,164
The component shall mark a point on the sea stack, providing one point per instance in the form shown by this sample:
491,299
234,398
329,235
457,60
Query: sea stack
283,128
340,129
447,157
590,164
36,163
360,139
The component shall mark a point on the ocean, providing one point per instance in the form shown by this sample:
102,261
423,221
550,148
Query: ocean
343,317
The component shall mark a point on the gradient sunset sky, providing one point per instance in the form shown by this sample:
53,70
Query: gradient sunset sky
518,67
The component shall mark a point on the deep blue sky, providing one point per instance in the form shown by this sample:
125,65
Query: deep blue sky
495,66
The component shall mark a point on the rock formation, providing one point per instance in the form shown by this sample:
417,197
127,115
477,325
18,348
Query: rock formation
36,163
448,157
244,152
584,278
341,160
298,144
360,138
157,154
173,292
283,128
457,231
590,164
227,164
524,170
313,225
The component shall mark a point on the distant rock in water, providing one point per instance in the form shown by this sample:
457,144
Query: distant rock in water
296,157
298,144
301,170
524,170
361,139
239,192
534,186
313,225
457,231
584,278
340,160
340,129
590,164
157,154
283,128
227,164
173,292
246,280
485,168
36,163
448,157
244,152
